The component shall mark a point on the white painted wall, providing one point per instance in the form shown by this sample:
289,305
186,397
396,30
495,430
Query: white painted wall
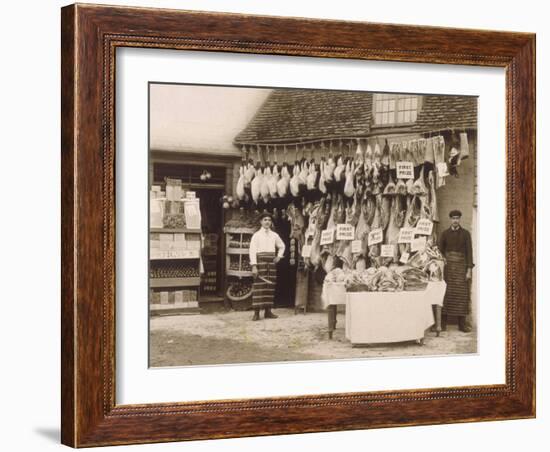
194,118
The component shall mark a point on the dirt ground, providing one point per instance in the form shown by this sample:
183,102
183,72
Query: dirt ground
231,337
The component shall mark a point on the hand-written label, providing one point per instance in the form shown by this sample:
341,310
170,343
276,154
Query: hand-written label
405,170
345,232
406,235
424,227
442,169
375,236
306,251
327,236
418,244
387,250
404,258
356,246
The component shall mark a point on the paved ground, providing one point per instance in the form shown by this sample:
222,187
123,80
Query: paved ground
231,337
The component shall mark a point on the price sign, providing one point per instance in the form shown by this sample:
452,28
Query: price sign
418,244
306,251
405,170
356,246
404,258
327,236
387,250
442,169
345,232
406,235
424,227
375,236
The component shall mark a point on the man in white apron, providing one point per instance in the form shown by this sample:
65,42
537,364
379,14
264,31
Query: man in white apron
266,249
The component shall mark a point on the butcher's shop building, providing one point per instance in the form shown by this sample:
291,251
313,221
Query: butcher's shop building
270,131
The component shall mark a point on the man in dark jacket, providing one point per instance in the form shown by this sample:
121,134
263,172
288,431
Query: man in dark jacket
456,245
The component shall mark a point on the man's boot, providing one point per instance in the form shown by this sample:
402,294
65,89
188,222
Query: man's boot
463,324
256,315
269,315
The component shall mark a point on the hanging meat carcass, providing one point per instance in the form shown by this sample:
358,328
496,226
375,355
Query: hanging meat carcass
433,196
239,189
394,226
264,187
349,188
322,179
339,170
283,182
320,222
256,184
272,182
343,247
312,176
294,180
374,249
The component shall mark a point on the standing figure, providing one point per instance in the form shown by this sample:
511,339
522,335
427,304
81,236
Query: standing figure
456,245
266,249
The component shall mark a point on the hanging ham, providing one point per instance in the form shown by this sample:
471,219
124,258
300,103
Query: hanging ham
239,189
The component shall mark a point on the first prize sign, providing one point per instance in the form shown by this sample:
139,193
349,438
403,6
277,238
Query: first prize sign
405,170
375,236
345,232
327,236
424,227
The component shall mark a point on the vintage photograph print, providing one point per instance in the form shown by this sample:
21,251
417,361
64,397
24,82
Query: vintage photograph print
305,224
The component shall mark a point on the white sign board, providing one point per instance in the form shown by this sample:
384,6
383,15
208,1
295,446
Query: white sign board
356,246
375,236
404,258
442,169
418,244
406,235
405,170
345,232
424,227
387,250
327,236
192,214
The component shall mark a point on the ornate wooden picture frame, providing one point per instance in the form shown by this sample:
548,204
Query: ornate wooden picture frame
90,38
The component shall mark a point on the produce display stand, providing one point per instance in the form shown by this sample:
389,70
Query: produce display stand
173,283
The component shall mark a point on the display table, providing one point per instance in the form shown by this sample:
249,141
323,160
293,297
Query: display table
385,317
409,312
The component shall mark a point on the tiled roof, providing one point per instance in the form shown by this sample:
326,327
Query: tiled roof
291,115
447,112
294,115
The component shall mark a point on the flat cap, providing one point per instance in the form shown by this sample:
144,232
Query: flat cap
455,213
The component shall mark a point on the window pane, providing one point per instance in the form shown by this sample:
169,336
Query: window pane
386,105
407,116
401,104
385,118
400,116
413,116
378,118
391,105
414,103
408,103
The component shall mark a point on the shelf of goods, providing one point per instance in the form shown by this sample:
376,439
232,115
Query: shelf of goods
238,268
209,279
174,271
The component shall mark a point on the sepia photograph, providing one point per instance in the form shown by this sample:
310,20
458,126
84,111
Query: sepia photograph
292,224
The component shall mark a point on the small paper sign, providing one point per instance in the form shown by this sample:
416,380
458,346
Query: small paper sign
356,246
405,170
387,250
192,214
442,169
190,195
404,258
306,251
345,232
418,244
406,235
327,236
424,227
375,236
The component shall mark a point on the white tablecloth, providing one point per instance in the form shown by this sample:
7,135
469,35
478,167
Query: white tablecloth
381,317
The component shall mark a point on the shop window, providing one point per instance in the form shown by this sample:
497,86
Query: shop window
391,109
